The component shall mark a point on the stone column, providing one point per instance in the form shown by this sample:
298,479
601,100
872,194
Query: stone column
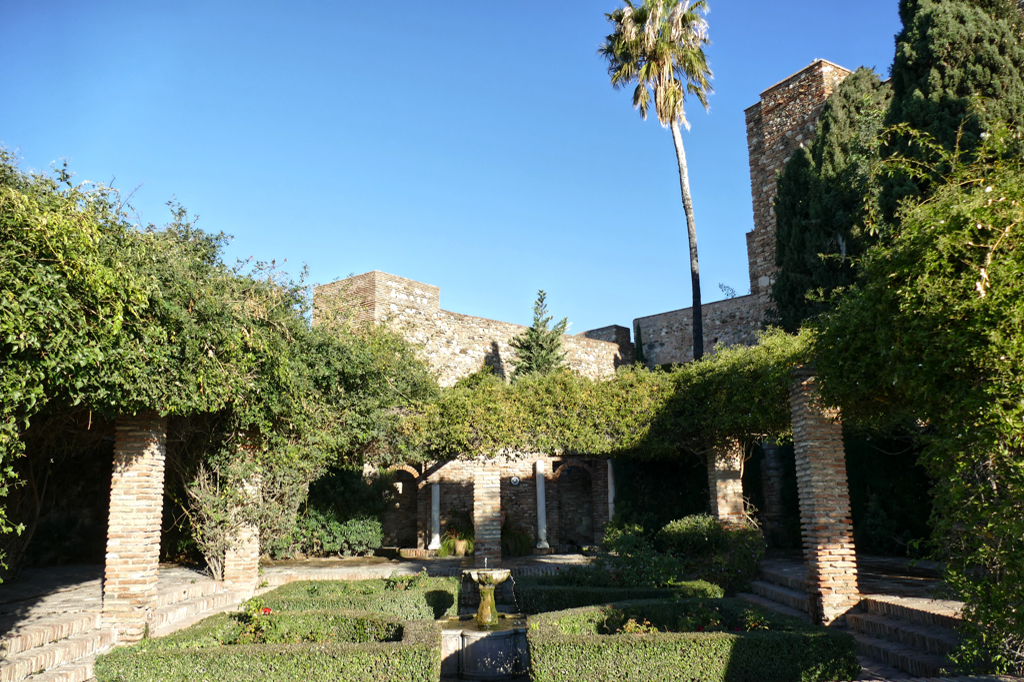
242,559
133,528
539,475
725,483
771,486
487,514
824,503
611,491
435,516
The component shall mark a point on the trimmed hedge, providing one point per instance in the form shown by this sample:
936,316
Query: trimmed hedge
195,654
538,596
568,646
409,598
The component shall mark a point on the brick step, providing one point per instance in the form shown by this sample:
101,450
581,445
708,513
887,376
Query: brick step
44,658
773,606
908,659
930,638
167,619
40,634
783,595
200,588
794,580
79,671
921,611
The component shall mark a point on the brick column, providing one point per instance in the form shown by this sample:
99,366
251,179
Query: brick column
824,503
725,483
487,514
133,528
242,559
771,486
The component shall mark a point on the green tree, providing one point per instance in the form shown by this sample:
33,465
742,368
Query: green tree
823,200
539,347
948,54
659,46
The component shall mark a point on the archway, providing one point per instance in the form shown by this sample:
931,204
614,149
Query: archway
575,506
400,519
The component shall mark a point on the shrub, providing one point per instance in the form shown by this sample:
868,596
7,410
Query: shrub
729,557
422,598
573,645
414,657
320,532
534,596
693,537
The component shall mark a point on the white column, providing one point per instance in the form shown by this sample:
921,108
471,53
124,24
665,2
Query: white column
611,490
435,516
542,510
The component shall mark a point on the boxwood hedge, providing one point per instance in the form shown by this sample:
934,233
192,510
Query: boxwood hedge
409,598
539,595
196,654
569,646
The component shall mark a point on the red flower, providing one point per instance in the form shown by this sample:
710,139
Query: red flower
736,629
700,628
265,610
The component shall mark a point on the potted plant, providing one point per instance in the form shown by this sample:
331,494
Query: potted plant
456,541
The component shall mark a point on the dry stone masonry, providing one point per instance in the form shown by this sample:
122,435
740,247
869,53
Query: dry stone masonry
133,530
824,504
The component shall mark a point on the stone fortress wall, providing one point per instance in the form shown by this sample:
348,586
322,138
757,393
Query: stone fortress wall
782,121
455,345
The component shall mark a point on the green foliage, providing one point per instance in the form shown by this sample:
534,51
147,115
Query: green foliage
940,316
659,490
949,54
726,556
540,594
638,413
319,533
576,644
823,200
420,598
385,650
460,527
538,349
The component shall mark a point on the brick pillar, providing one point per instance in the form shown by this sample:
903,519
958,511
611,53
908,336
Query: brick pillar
242,559
824,503
487,514
725,483
771,486
133,528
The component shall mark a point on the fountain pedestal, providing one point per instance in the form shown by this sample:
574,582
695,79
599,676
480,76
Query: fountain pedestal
487,579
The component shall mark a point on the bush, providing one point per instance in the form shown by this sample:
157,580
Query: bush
573,645
413,598
726,556
414,657
319,532
534,596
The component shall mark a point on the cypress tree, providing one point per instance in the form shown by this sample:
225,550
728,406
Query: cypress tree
821,205
949,55
539,347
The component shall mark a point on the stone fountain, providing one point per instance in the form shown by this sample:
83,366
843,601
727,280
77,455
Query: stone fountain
490,645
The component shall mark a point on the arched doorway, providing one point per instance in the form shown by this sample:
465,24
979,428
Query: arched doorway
400,518
575,507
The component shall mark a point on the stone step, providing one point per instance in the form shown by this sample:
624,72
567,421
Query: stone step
783,595
40,634
937,612
201,587
44,658
930,638
908,659
171,617
79,671
791,579
773,606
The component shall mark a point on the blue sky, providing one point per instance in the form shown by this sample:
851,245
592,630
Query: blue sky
474,146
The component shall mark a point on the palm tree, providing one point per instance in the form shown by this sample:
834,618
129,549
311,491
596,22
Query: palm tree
659,46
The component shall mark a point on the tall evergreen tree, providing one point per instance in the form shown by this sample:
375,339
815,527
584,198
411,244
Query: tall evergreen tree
950,54
821,205
539,347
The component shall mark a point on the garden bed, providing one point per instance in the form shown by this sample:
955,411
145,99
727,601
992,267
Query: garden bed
537,595
713,640
414,597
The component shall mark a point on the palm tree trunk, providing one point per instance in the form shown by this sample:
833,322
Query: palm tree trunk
691,234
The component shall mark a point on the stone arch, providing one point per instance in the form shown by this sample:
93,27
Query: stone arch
575,500
400,519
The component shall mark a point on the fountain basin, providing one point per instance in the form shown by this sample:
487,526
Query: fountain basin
498,652
487,579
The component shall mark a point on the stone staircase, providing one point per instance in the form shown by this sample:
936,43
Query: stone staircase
63,648
914,635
